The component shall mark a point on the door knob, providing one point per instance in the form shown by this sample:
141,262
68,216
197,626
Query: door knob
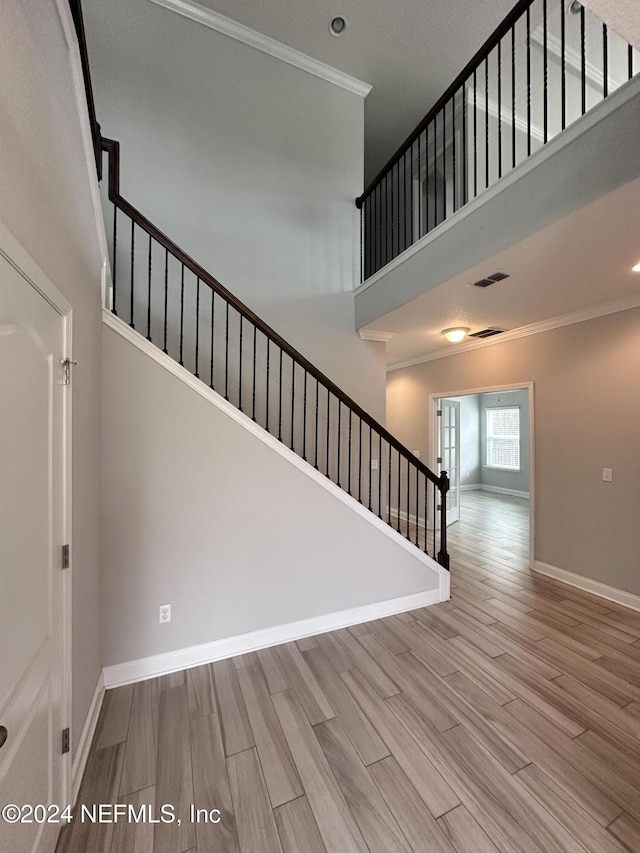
3,735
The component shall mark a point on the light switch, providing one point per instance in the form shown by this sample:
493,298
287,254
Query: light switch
374,464
607,475
416,453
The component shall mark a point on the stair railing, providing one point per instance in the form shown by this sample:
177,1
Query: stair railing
546,65
176,304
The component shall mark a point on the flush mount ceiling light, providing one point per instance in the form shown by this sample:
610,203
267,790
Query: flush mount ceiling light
636,267
455,334
337,26
575,7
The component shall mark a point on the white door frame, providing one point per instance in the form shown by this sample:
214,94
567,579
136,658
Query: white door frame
433,441
25,265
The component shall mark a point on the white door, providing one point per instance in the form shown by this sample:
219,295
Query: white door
449,453
32,340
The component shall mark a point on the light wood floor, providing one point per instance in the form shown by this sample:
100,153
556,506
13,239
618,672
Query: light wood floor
506,719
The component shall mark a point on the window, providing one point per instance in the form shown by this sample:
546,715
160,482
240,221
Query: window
503,438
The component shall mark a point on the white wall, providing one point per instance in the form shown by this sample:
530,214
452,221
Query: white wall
200,514
249,164
45,202
587,417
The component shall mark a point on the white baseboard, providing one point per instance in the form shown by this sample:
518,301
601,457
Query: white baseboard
139,670
611,593
471,487
498,490
84,745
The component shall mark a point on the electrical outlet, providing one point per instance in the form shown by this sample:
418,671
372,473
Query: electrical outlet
607,475
416,453
165,613
374,464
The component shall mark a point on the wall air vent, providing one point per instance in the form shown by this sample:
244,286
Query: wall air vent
486,333
491,279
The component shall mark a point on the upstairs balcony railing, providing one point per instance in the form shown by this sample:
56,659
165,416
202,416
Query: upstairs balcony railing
546,65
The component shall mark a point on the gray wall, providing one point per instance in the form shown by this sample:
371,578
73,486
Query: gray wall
200,514
587,416
251,166
45,202
516,480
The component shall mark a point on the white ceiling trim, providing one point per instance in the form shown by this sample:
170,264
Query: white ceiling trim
624,304
239,32
373,335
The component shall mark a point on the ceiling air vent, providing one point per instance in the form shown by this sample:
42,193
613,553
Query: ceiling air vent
486,333
491,279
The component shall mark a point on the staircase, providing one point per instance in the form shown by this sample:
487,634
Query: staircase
164,295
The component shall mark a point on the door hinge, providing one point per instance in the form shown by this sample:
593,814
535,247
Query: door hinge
439,413
65,741
439,460
65,556
66,370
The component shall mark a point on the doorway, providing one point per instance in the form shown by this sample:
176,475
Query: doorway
484,439
34,526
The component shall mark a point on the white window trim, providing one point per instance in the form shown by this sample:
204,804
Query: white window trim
502,468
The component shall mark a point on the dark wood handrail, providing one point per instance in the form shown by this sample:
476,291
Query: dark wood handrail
78,21
112,147
466,72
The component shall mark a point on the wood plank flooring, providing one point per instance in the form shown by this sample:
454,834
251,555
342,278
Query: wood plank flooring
507,719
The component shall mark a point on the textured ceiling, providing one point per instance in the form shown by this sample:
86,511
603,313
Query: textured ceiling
408,50
623,16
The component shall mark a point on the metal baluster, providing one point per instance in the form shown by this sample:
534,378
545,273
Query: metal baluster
408,498
545,37
583,61
420,186
398,209
444,161
166,295
293,398
349,464
197,373
412,215
304,419
563,52
465,191
435,504
426,169
328,430
389,491
213,317
500,109
182,319
315,464
475,134
369,474
226,353
629,64
253,389
426,515
360,460
605,61
405,242
379,475
280,399
133,251
115,264
266,412
513,96
240,368
528,81
486,122
453,151
149,293
417,507
399,488
339,441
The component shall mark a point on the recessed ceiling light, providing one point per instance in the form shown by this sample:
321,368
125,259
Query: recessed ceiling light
337,26
455,334
636,268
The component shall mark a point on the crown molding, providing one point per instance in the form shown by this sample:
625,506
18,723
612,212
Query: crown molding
373,335
221,24
624,304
